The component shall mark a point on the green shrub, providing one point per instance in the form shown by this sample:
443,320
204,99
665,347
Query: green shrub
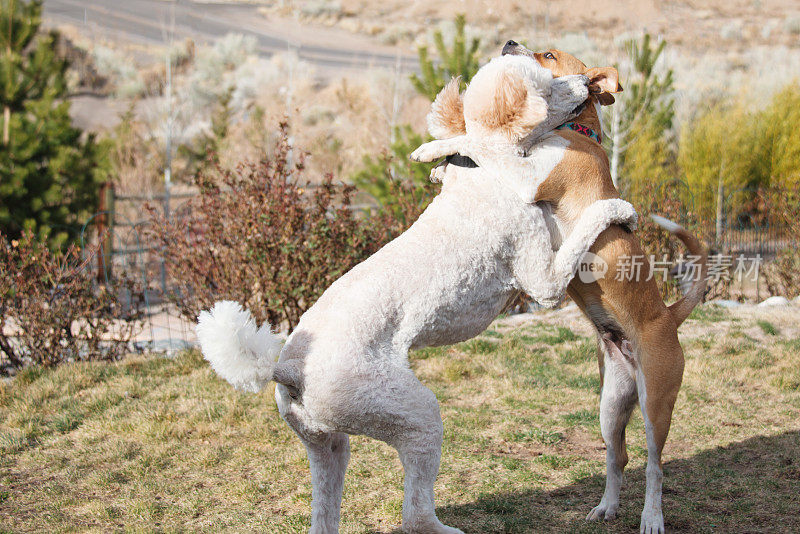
378,173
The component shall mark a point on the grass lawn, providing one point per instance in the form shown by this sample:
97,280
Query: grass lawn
150,444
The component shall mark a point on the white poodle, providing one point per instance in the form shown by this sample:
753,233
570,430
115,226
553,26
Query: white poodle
344,370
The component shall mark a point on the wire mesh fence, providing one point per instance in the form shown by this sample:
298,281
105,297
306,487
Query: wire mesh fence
121,228
119,231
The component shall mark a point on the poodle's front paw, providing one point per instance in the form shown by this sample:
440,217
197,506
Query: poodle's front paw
620,212
426,152
438,172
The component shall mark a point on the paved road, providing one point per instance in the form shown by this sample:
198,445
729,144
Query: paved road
147,21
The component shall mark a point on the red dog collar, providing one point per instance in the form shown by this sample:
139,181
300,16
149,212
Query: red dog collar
581,129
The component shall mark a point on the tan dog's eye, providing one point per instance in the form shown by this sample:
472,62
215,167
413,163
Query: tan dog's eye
549,55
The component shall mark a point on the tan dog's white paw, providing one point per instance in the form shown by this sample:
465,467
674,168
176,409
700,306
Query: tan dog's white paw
603,512
652,522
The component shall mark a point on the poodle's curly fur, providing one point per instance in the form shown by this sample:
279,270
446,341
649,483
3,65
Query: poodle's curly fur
345,370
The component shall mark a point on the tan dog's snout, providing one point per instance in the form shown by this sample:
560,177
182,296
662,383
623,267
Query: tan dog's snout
513,48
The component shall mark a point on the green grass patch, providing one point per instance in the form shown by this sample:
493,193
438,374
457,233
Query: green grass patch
586,418
767,327
761,359
709,313
556,462
583,351
548,334
479,346
791,344
546,437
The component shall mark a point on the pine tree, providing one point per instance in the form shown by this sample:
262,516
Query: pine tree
457,60
49,170
202,153
377,173
642,119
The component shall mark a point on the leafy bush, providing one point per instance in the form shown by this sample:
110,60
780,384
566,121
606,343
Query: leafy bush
52,311
781,123
260,235
661,199
379,175
722,147
741,150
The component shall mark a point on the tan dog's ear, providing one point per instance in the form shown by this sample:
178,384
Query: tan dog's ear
602,82
446,118
513,107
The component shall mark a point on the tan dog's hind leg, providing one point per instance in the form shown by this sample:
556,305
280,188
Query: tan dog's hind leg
617,399
658,382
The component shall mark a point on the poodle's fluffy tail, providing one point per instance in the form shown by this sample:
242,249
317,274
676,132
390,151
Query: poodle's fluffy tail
237,349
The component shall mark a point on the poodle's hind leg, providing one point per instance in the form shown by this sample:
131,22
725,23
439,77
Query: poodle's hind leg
409,420
420,450
328,460
328,454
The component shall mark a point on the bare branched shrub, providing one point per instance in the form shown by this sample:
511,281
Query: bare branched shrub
52,311
257,234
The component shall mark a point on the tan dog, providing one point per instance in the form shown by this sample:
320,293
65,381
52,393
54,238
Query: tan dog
639,354
634,327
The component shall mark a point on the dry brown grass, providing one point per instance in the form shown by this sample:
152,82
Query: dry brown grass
153,444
